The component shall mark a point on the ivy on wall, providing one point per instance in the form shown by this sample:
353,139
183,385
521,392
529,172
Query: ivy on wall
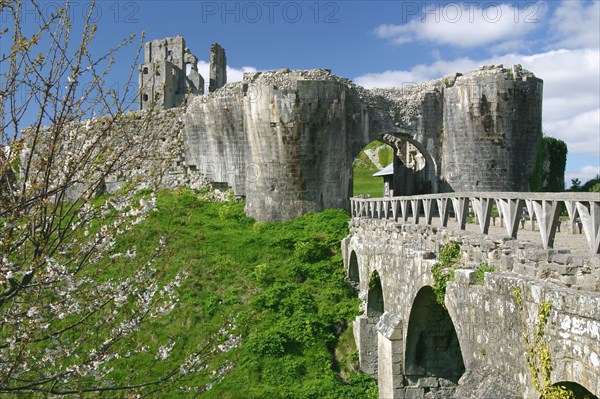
549,172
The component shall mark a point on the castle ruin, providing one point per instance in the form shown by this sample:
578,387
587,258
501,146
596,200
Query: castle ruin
285,140
169,74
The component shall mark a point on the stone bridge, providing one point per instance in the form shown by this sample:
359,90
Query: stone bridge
538,309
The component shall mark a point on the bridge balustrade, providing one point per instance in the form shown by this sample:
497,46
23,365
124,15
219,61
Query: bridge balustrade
583,210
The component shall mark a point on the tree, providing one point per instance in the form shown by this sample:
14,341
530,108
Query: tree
592,185
575,184
65,322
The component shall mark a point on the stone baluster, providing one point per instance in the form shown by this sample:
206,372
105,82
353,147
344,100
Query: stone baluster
511,209
395,210
590,219
403,206
572,211
483,211
530,211
461,208
443,205
547,213
414,205
428,209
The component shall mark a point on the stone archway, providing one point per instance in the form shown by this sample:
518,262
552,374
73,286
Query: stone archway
578,391
375,303
353,271
433,358
372,159
365,326
415,170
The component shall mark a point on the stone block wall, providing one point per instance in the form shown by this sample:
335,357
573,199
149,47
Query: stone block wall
286,139
492,124
490,320
218,67
169,74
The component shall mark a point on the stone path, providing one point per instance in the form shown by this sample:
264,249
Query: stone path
564,240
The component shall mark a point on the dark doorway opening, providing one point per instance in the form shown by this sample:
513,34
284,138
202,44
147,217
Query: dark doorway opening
432,347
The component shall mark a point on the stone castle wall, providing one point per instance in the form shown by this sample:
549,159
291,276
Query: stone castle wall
492,124
286,139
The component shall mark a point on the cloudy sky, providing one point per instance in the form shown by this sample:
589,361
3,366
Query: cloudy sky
393,43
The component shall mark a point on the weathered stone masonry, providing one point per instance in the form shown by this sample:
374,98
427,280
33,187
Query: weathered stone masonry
286,139
477,348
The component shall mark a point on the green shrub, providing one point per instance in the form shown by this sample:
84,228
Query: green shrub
311,251
483,268
267,342
443,270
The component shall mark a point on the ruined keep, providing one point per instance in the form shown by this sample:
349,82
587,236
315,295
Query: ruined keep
285,140
169,74
164,78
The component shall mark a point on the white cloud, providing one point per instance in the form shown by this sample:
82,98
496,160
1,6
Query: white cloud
233,74
580,131
576,24
583,174
467,24
236,75
417,74
571,101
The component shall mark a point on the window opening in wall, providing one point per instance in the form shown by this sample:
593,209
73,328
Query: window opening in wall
353,272
375,304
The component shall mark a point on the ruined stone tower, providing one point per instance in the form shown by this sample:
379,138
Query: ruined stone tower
218,67
286,140
169,74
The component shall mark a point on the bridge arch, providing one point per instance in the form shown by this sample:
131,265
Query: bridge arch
375,302
578,390
432,346
353,270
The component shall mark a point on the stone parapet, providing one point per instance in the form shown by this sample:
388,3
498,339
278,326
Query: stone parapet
514,211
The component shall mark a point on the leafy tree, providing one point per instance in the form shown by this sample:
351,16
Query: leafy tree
65,323
591,185
549,169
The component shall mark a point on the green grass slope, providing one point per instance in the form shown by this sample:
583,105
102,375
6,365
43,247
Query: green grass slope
265,304
363,168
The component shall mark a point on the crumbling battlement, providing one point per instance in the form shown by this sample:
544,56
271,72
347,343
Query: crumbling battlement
218,67
169,74
286,139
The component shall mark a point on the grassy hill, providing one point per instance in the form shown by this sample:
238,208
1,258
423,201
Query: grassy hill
264,304
371,159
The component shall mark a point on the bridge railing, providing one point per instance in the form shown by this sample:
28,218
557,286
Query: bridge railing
582,208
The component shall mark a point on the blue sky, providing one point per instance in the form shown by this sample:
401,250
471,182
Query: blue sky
383,44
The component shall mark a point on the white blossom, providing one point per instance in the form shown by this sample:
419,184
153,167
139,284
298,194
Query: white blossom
163,352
